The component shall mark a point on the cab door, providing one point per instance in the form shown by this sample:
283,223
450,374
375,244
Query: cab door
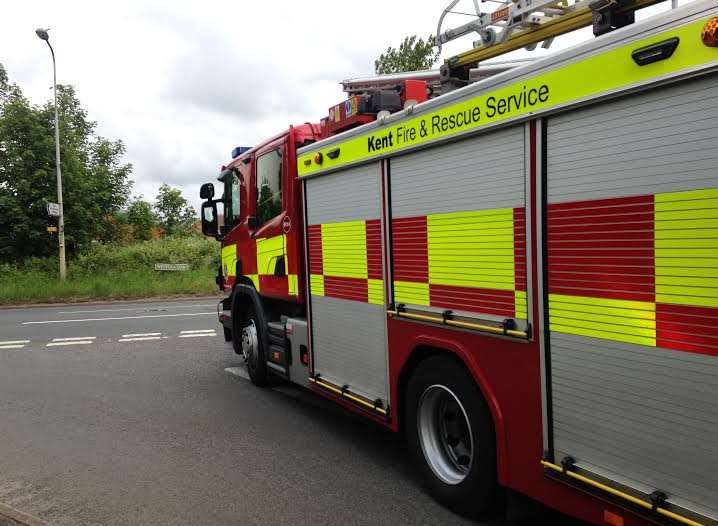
269,228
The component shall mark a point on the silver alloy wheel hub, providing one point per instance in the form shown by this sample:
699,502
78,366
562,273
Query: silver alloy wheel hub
249,341
445,434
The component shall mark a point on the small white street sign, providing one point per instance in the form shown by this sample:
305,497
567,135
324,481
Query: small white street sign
53,209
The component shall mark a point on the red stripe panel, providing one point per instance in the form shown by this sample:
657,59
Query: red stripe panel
619,266
642,279
346,288
605,228
602,248
604,203
686,328
520,248
373,248
487,301
410,250
316,263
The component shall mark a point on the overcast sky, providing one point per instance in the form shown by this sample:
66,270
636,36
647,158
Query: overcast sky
182,82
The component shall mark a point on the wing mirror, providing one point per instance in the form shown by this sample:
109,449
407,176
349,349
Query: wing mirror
206,191
209,219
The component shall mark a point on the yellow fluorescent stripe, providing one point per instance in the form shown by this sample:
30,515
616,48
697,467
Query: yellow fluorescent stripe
607,319
676,276
375,289
667,197
498,274
316,284
677,299
686,223
460,260
410,292
293,284
520,305
687,290
696,204
679,215
472,216
591,333
471,282
268,251
229,260
684,262
681,253
586,77
648,332
711,243
344,249
580,310
686,233
603,302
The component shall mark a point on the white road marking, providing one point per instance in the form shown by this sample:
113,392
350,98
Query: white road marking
78,342
142,334
74,339
238,371
121,318
139,308
141,339
11,346
197,332
198,335
12,342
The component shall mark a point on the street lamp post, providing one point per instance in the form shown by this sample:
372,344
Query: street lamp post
43,35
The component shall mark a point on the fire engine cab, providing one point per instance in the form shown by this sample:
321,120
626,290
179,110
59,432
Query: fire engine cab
520,274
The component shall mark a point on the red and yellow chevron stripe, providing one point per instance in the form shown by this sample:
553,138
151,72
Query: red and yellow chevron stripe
640,270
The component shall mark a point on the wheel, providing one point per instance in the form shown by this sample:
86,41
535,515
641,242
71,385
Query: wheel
227,334
247,340
451,437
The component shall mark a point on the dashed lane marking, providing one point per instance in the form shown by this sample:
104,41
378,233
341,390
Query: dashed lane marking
137,309
142,334
77,342
140,339
11,347
74,339
122,318
197,332
198,335
14,342
238,371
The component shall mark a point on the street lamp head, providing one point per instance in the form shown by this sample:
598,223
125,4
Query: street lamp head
42,34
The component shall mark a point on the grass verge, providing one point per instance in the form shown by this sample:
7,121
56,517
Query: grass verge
34,287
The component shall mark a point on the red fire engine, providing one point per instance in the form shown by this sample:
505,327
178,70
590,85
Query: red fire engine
520,274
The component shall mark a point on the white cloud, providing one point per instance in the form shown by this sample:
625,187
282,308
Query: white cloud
182,82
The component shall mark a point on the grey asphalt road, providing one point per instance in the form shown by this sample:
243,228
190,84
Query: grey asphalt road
124,414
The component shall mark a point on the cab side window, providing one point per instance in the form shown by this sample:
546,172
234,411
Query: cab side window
232,189
269,186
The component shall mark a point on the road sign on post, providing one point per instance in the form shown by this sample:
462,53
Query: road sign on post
53,209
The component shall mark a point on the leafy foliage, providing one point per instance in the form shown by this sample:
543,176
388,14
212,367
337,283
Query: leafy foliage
175,213
95,180
142,218
413,54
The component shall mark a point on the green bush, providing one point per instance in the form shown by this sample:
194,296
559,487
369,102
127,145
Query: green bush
115,272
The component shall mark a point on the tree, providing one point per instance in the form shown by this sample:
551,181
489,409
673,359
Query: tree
141,217
176,215
95,180
413,54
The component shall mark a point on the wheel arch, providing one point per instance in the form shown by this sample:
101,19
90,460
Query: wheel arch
425,347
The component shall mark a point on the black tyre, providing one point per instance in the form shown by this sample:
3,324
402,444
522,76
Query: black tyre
227,334
248,340
451,436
